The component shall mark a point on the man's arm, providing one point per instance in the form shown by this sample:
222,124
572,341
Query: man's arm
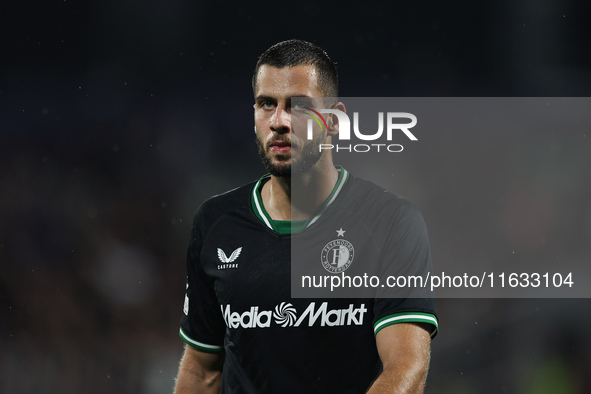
199,372
404,349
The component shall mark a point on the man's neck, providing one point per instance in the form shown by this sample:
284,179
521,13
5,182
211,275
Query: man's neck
298,197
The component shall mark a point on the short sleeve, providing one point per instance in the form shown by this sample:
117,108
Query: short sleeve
202,324
407,254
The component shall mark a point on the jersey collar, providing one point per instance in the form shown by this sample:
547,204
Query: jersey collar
287,227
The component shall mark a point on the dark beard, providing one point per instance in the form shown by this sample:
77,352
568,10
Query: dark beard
309,157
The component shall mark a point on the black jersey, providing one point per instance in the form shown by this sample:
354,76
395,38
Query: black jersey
238,296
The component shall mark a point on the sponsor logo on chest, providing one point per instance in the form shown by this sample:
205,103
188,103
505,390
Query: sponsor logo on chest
286,315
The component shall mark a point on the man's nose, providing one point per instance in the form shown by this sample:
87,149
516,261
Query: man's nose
281,120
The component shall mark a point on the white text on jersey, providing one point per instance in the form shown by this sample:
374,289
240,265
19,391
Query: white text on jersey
255,318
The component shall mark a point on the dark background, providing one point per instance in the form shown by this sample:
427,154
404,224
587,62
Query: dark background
118,118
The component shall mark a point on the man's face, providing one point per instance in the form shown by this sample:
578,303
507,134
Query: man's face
280,123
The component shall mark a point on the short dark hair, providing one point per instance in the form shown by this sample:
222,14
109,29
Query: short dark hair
293,53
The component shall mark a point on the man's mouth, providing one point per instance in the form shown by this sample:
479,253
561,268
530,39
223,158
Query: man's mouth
280,147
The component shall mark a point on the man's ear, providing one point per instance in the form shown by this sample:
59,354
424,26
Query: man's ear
332,120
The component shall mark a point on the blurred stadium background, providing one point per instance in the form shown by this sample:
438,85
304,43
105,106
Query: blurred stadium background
117,119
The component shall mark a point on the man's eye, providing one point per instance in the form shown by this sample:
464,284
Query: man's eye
299,105
267,105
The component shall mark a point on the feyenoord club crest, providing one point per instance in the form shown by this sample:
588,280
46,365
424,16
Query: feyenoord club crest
337,255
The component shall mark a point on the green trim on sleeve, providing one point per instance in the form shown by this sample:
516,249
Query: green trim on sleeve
407,317
204,347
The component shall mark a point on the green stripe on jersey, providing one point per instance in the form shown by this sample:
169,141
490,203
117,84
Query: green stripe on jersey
292,227
257,203
199,345
288,226
407,317
341,182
